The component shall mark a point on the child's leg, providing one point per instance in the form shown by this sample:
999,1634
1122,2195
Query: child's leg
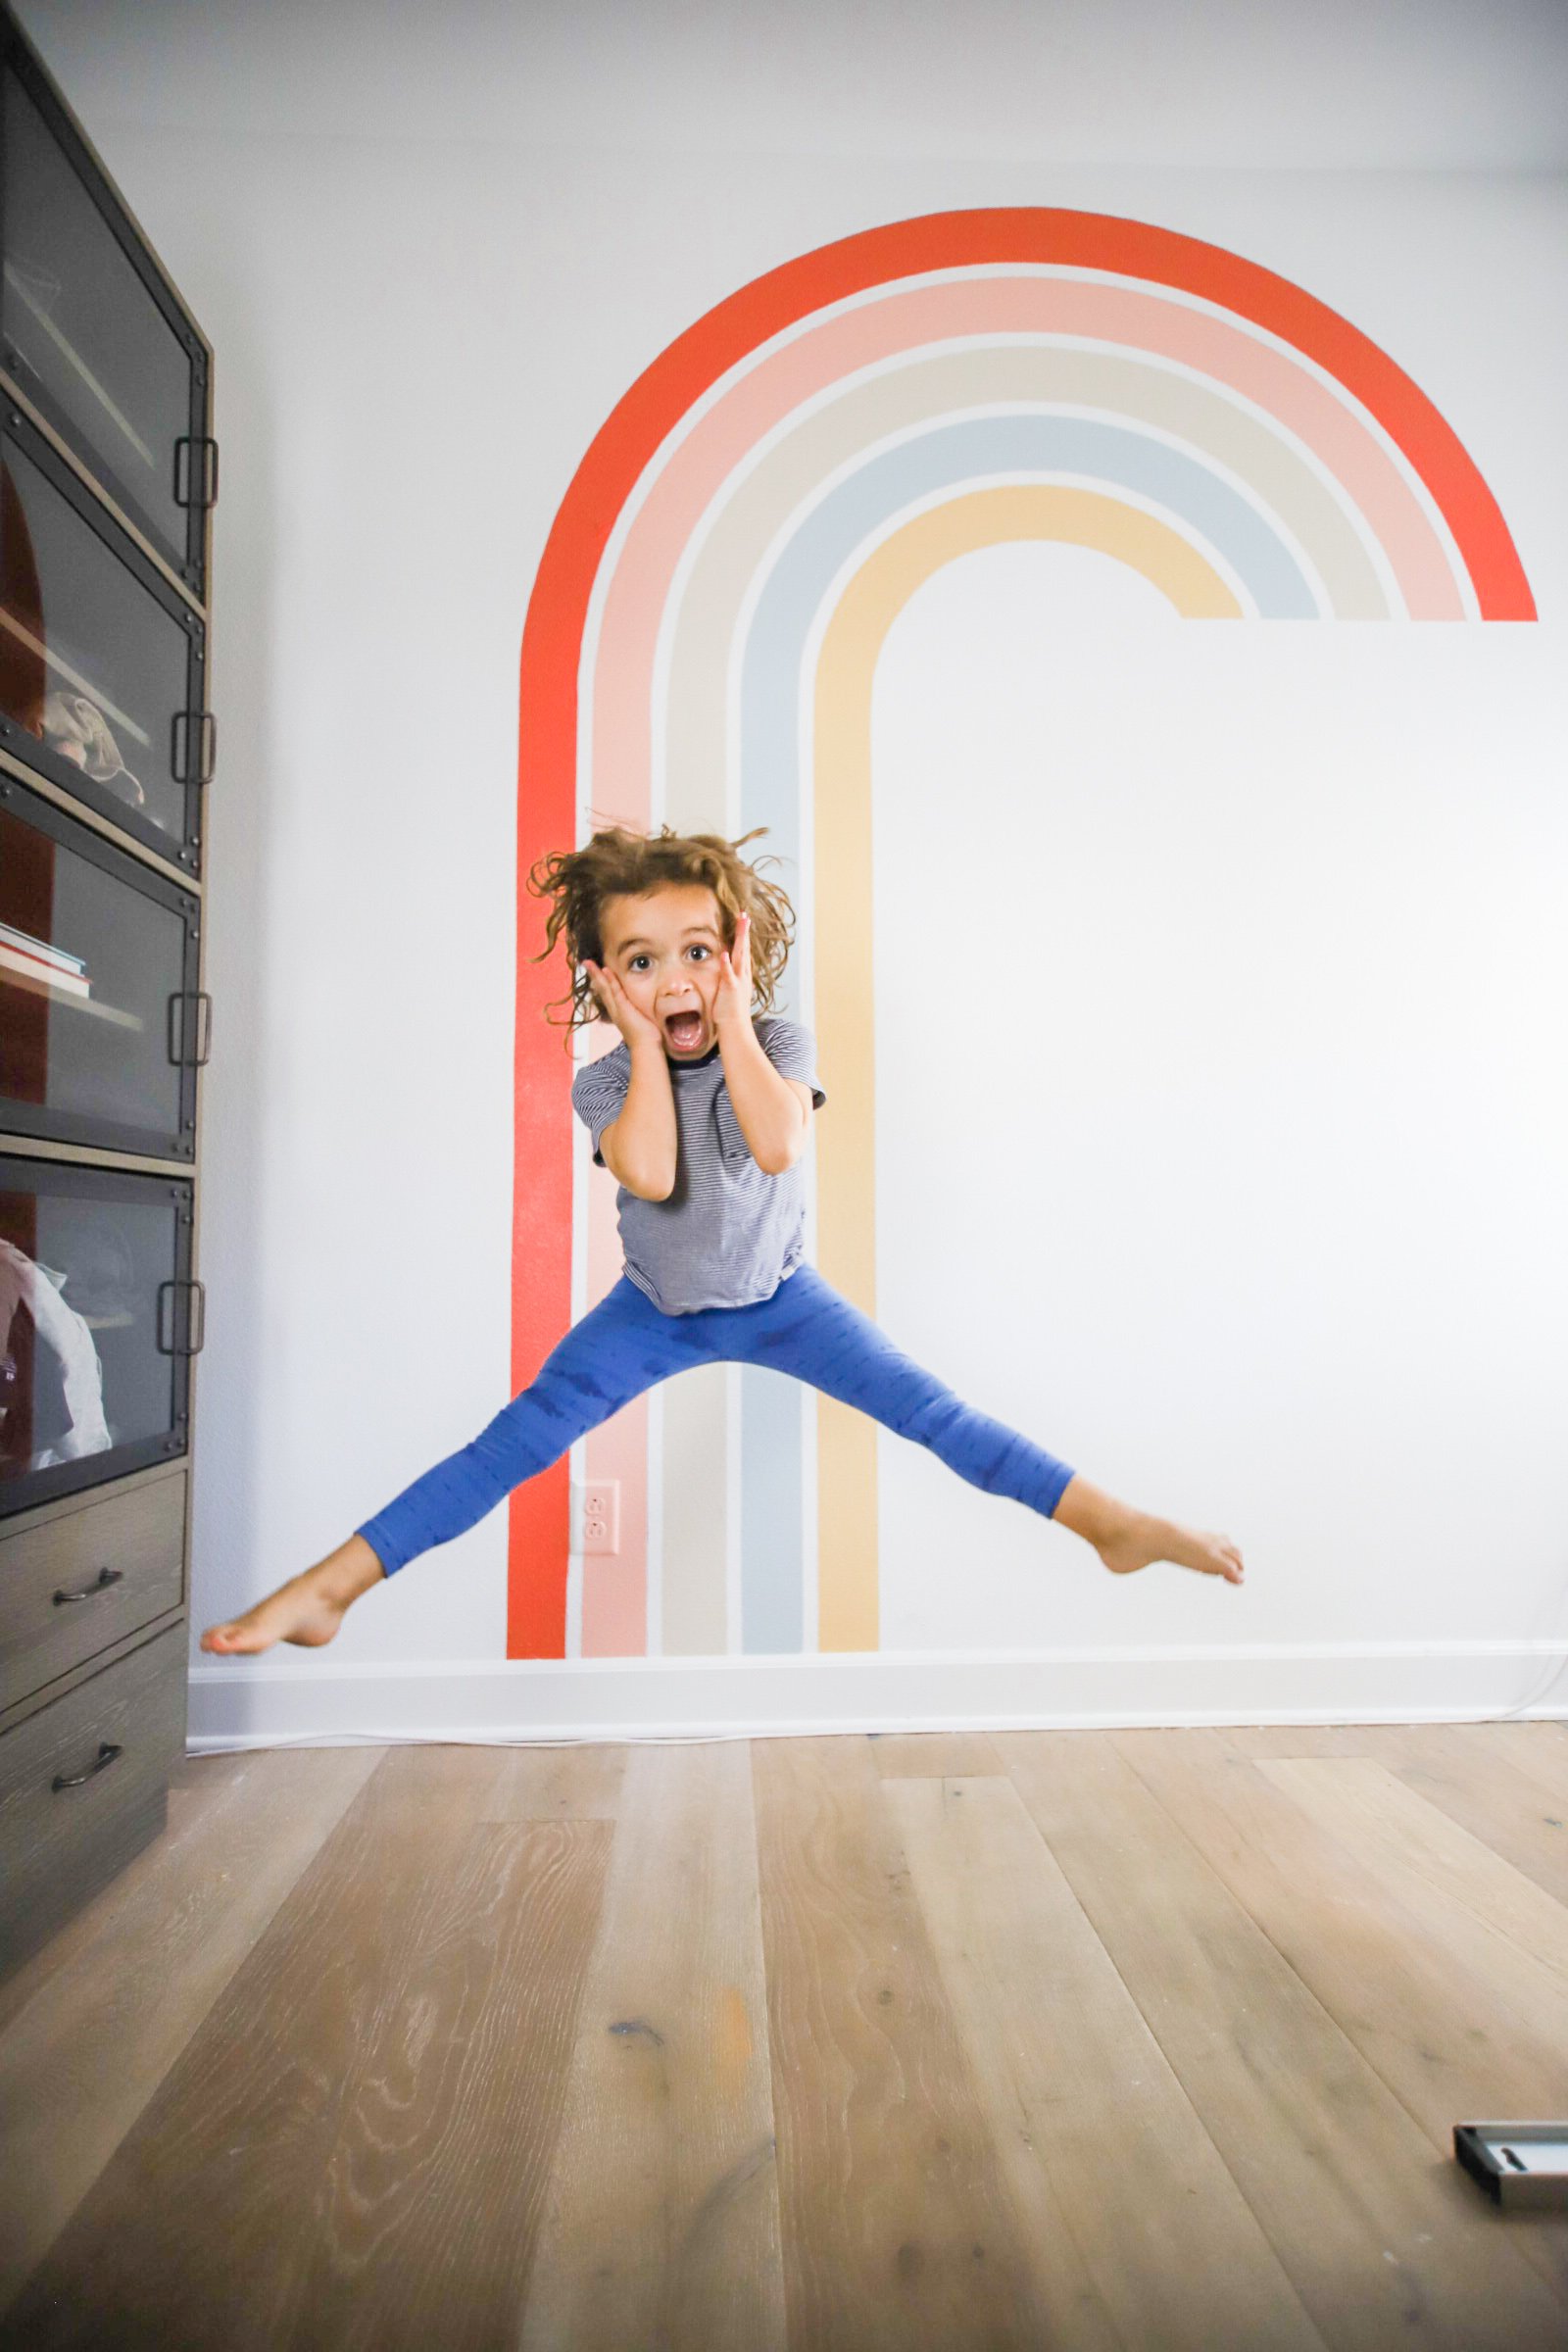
811,1330
621,1346
817,1335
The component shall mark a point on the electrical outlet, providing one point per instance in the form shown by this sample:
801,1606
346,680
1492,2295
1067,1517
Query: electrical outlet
598,1515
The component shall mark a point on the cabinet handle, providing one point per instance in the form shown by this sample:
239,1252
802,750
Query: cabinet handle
107,1752
179,1000
196,1340
101,1584
206,723
207,496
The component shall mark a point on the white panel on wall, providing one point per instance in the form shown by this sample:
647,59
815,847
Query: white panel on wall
1222,1114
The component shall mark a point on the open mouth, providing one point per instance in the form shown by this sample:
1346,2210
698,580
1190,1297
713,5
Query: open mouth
683,1030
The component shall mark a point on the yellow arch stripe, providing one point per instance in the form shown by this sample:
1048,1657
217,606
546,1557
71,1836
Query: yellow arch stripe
848,1606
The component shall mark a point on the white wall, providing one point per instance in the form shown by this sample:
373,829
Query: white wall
1275,1122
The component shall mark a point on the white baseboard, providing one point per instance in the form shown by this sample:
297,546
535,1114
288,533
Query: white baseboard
304,1700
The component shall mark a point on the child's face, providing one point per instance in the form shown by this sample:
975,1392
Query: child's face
663,948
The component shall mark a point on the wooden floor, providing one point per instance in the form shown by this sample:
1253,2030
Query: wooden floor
1083,2038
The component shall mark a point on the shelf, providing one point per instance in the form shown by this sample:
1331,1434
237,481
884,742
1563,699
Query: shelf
94,694
64,996
73,359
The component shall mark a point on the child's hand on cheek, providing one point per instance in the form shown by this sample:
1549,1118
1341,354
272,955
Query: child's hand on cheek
618,1006
732,999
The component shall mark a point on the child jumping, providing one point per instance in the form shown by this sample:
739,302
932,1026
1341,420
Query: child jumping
702,1113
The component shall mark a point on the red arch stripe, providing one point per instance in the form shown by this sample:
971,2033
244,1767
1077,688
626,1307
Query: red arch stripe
551,644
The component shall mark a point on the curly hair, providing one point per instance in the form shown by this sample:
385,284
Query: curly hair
621,863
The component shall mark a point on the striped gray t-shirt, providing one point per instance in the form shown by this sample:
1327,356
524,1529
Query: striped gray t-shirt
729,1232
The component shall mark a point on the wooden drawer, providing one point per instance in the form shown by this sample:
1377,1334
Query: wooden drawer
58,1846
138,1538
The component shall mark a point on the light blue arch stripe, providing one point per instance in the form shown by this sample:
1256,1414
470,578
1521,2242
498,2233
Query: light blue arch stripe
944,457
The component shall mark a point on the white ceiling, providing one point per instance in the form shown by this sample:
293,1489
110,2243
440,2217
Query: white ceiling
1403,84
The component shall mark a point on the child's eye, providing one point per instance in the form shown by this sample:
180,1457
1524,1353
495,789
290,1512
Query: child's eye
636,960
698,949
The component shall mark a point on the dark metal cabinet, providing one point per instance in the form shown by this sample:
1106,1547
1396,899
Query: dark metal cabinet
108,473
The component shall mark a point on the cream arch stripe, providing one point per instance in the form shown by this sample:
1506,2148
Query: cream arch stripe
848,1612
825,447
691,474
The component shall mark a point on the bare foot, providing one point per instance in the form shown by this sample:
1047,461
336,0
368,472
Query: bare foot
1146,1538
1126,1539
308,1609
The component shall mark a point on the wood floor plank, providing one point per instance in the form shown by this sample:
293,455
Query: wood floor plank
1382,2241
1397,1830
1458,2024
1529,1748
577,1780
1459,2009
1557,1730
1391,1741
113,2003
1510,1792
1499,1780
1094,2131
933,1755
663,2220
196,1788
898,2227
416,1990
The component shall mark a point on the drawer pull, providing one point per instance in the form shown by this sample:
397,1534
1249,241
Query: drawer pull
105,1578
107,1752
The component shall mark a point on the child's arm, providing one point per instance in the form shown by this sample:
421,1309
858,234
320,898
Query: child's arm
643,1130
639,1145
766,1104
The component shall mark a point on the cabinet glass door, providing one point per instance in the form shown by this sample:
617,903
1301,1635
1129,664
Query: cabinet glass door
90,334
101,662
98,1323
101,1027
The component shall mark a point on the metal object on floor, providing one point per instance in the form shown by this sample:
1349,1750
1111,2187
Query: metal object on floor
1520,2165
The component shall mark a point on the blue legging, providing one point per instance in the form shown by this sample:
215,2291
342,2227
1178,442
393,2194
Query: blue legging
625,1345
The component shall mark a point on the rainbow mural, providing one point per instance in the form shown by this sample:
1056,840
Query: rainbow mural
700,650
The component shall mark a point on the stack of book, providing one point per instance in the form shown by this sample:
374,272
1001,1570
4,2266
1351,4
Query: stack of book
32,959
